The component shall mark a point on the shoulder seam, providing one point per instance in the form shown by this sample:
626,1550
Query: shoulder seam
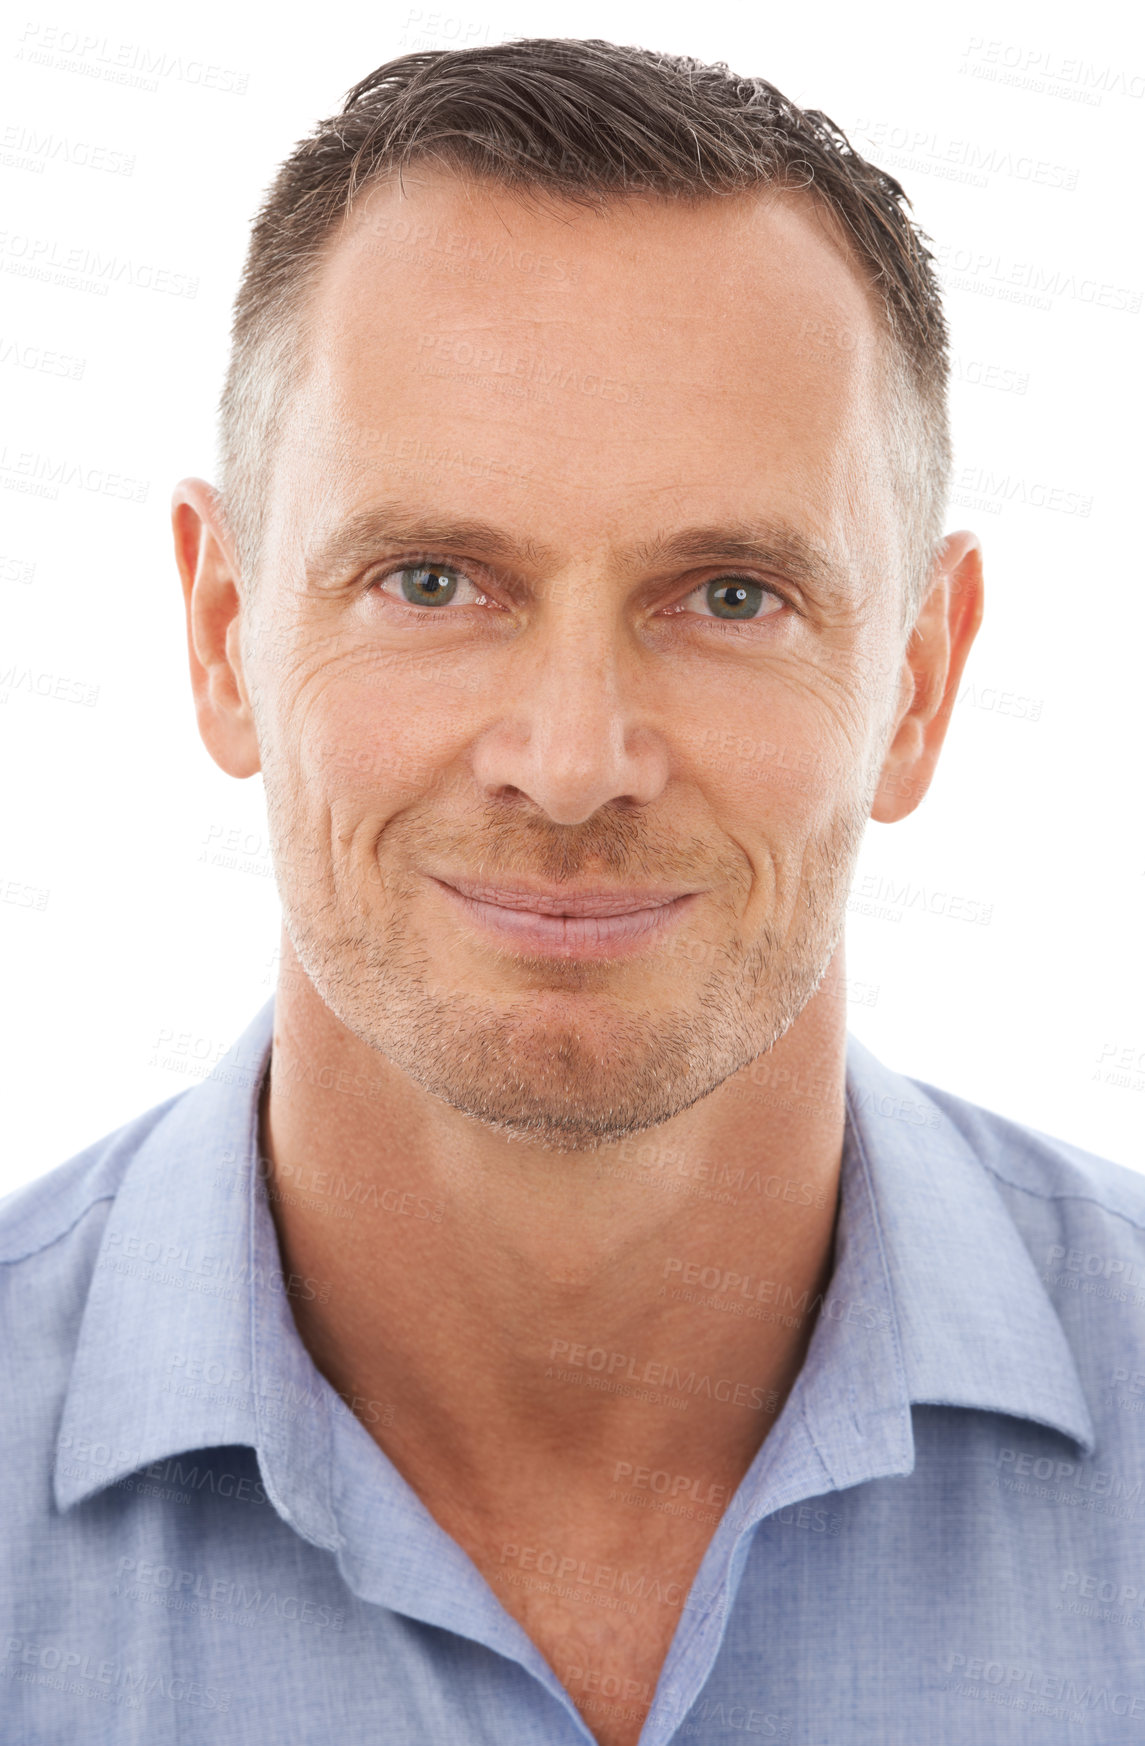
1032,1133
58,1237
1062,1194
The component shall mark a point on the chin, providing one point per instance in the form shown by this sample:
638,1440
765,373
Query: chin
573,1088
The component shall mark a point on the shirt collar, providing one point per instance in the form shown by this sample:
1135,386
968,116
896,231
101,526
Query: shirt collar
188,1341
976,1325
933,1299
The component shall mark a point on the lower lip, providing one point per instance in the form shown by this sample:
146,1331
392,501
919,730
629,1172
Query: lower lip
572,936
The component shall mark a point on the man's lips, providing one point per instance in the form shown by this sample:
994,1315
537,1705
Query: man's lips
596,922
591,901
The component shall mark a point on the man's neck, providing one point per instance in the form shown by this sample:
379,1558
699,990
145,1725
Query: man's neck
539,1320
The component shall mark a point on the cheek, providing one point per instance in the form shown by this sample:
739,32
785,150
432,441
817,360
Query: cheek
789,763
375,746
354,772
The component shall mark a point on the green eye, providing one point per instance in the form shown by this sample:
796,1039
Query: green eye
735,598
428,585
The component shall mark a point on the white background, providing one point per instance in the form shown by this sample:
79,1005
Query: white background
133,958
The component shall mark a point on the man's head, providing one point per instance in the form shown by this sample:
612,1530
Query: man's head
587,122
573,546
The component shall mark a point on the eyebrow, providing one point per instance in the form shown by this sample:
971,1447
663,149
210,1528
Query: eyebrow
772,545
386,525
768,545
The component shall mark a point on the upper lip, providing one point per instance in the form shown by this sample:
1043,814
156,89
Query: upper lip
594,900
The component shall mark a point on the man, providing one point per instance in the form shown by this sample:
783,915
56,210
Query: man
545,1325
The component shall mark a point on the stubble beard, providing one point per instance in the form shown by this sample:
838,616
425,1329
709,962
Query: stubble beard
529,1074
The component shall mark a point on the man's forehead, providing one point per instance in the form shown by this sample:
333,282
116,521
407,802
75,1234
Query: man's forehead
466,246
650,323
630,362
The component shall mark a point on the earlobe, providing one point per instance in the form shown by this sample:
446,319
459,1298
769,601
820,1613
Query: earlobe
213,604
932,670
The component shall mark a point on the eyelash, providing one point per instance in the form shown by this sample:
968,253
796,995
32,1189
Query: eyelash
422,613
375,586
733,624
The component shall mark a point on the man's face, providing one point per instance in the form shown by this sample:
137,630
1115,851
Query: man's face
582,581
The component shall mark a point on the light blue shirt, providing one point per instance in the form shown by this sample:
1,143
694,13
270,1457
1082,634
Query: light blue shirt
941,1540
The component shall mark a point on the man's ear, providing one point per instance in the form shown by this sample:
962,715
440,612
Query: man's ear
931,671
205,555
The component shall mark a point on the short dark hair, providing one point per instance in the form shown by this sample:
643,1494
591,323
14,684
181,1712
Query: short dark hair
585,121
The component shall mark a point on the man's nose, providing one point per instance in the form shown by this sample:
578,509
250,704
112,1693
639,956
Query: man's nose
576,729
